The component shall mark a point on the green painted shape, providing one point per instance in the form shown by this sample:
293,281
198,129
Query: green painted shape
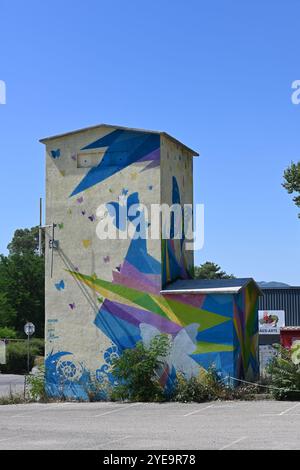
188,314
204,347
142,299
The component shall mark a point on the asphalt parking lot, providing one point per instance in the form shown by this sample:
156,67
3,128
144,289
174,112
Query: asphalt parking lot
109,426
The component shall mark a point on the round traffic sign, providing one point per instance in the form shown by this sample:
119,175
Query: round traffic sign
29,329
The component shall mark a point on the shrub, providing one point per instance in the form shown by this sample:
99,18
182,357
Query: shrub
7,333
36,385
187,390
16,356
284,370
98,391
136,371
12,399
209,386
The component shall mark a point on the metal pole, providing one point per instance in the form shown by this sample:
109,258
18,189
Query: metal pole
40,229
52,245
28,353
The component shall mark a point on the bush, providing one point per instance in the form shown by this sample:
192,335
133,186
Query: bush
7,333
16,356
36,385
208,386
284,370
136,371
190,390
12,399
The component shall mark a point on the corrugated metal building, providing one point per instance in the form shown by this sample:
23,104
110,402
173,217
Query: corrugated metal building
282,298
275,299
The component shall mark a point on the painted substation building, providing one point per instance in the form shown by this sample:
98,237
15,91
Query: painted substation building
104,294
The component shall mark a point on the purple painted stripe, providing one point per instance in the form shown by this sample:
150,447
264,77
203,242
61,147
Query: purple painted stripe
151,165
127,269
155,155
137,316
190,299
139,284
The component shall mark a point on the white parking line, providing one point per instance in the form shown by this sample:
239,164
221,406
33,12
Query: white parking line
120,408
198,411
283,413
289,409
232,443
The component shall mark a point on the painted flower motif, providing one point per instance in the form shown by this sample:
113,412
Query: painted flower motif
103,374
182,346
111,354
69,370
295,350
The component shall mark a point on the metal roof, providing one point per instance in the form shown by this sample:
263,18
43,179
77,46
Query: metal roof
110,126
209,286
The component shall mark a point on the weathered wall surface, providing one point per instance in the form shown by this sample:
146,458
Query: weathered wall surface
130,172
177,188
105,295
245,319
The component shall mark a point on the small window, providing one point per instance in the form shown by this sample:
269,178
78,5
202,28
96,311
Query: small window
89,159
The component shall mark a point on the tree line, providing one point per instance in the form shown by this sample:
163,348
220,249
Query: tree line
22,285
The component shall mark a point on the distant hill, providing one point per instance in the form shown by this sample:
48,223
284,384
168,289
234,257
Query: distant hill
272,284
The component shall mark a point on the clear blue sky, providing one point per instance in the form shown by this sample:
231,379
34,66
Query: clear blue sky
215,74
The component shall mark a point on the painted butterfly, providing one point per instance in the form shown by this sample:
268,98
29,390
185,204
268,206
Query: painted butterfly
60,285
86,243
55,153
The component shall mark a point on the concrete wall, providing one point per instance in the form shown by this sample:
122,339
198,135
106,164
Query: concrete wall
177,188
105,295
245,319
72,198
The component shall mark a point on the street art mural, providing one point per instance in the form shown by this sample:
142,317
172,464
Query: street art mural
131,305
123,149
173,255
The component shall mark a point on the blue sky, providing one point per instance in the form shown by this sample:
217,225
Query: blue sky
215,74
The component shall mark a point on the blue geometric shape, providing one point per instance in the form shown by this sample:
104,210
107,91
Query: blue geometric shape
138,256
124,149
123,334
222,334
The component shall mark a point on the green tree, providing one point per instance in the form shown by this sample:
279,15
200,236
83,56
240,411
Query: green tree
22,283
22,291
210,270
292,182
8,314
7,333
24,241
